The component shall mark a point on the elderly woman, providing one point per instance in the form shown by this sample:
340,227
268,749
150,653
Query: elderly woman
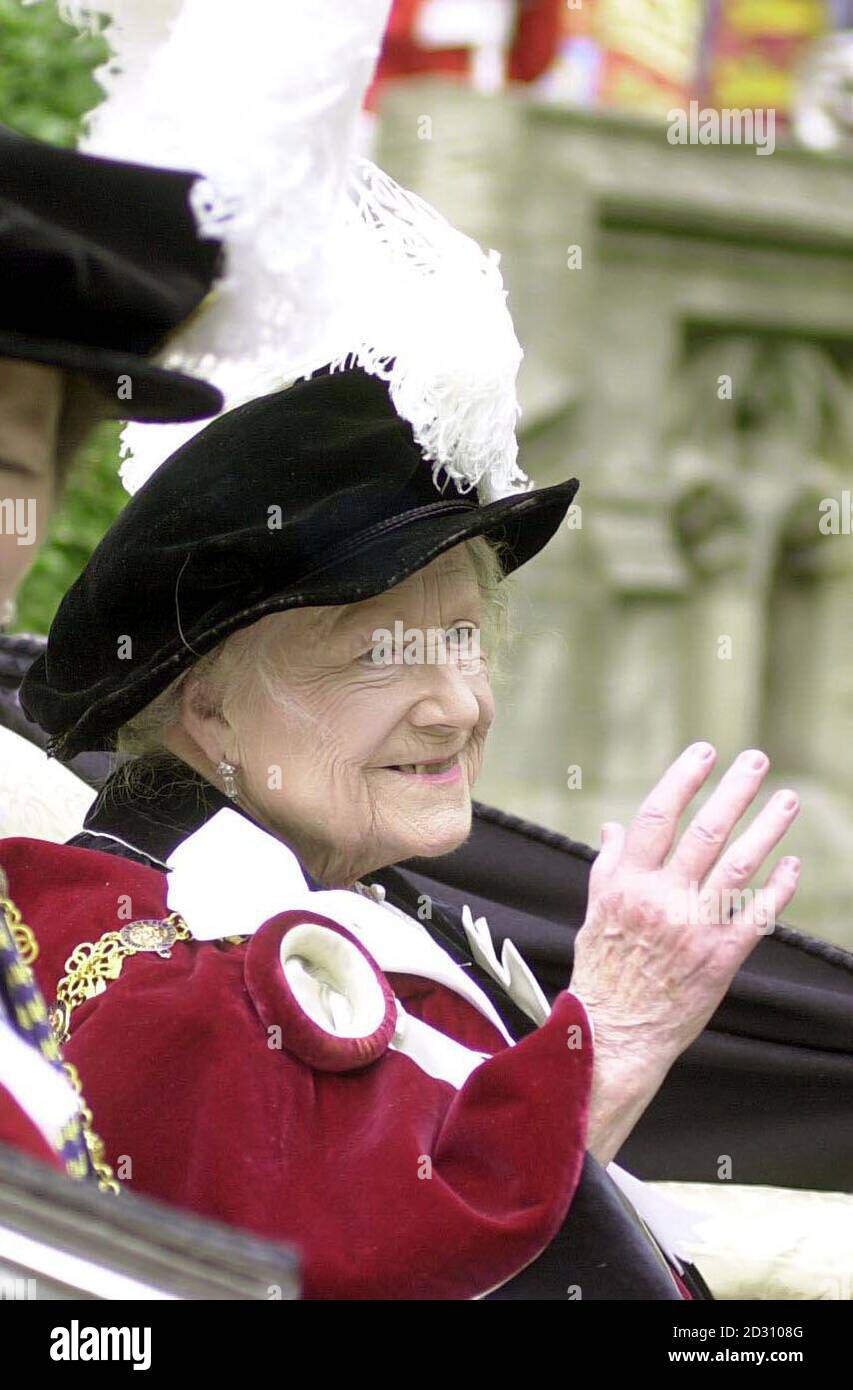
268,1029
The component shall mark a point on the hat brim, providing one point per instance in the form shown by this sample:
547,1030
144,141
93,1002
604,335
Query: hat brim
157,396
524,522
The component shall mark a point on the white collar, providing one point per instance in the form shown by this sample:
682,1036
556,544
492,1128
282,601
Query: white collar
231,876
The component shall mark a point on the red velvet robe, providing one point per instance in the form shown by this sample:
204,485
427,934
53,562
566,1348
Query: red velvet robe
390,1182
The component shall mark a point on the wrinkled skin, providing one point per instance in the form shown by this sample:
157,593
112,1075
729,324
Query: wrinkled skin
338,805
663,937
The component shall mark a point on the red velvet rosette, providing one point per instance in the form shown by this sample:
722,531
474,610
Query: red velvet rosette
294,959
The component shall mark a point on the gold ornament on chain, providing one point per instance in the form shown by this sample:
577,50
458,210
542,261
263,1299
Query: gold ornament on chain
87,971
92,965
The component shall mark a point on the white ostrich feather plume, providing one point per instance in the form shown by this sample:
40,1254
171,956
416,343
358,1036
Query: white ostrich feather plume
328,259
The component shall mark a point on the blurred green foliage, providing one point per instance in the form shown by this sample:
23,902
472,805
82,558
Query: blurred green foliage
91,501
46,81
46,86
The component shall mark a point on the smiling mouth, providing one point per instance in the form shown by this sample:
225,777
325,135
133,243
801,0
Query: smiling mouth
426,769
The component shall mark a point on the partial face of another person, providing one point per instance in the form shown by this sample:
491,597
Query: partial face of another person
336,768
31,399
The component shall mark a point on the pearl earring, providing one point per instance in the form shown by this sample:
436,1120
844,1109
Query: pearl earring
227,771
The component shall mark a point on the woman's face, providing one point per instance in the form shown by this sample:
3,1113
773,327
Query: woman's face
332,771
30,408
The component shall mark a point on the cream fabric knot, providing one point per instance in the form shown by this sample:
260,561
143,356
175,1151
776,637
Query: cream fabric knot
370,890
511,972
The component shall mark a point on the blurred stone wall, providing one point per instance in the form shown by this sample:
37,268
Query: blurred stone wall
687,318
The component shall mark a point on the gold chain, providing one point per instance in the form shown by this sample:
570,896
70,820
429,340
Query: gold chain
93,964
95,1145
88,968
87,971
28,950
22,935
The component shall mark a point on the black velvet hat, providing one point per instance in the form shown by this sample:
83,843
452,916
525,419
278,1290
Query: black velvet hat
100,261
310,496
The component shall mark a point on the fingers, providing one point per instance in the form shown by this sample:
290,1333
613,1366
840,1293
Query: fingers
612,841
761,914
744,857
702,842
651,832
